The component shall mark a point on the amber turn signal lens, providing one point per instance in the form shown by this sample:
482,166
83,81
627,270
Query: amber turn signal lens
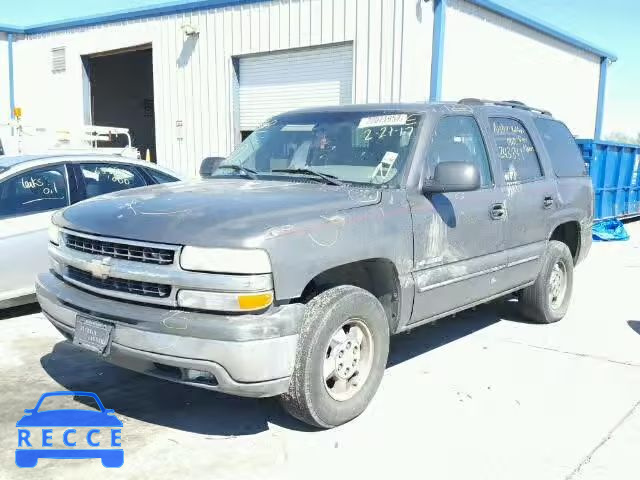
255,301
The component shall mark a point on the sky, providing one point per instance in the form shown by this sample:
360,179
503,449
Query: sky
612,25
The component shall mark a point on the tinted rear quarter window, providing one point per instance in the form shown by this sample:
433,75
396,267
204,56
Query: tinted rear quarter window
561,147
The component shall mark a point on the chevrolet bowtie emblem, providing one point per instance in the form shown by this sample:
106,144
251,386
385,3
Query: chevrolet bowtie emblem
100,268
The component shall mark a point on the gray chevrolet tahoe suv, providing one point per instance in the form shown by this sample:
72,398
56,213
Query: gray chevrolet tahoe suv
322,234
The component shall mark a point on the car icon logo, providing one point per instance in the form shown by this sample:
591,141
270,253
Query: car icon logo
83,433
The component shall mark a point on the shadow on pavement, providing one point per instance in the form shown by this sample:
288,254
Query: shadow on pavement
20,311
157,401
406,346
201,411
635,325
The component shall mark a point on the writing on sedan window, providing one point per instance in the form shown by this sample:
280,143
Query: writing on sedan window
121,180
39,184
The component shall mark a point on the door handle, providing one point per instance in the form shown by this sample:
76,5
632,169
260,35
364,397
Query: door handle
497,211
548,201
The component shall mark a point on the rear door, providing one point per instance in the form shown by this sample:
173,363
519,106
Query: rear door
530,196
27,202
99,178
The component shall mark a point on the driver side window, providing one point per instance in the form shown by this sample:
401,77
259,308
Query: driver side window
458,139
34,191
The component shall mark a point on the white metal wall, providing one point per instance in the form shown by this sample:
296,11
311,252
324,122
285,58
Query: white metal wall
4,79
273,83
490,56
194,78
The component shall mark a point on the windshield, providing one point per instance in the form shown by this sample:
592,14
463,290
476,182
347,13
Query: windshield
357,147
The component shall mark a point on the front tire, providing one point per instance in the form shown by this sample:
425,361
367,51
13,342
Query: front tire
547,300
341,358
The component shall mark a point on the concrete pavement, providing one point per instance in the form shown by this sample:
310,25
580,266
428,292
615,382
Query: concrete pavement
483,395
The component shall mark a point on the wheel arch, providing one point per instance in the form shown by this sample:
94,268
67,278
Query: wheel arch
379,276
569,232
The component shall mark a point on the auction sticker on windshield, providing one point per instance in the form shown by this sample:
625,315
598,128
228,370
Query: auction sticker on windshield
383,120
298,128
69,433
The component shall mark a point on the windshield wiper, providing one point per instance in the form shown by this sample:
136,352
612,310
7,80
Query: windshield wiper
330,179
252,174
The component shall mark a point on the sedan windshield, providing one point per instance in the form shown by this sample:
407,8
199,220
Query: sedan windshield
330,147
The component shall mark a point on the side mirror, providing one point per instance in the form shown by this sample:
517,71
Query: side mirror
28,410
210,165
453,177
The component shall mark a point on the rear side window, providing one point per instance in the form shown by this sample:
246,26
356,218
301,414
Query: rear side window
102,178
160,177
561,147
37,190
517,155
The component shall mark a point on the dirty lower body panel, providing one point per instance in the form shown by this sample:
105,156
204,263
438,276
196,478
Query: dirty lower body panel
248,355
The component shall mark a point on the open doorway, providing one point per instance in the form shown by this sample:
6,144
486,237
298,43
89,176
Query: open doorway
120,94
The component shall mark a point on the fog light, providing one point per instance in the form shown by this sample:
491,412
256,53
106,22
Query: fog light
199,376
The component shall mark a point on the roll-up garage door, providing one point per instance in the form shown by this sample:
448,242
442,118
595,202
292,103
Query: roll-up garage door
276,82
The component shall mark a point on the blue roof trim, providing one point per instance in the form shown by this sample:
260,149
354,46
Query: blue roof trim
544,28
10,29
170,8
182,7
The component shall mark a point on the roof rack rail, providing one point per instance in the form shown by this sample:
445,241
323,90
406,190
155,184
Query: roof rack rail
472,101
504,103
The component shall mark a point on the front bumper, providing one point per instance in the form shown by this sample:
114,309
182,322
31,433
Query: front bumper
249,355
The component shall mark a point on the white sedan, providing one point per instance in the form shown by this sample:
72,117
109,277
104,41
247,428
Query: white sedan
34,187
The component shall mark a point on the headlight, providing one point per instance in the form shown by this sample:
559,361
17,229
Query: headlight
225,260
224,301
54,234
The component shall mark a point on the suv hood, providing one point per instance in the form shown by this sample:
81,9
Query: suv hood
207,213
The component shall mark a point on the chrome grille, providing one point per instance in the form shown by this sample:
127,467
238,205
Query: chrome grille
123,251
133,287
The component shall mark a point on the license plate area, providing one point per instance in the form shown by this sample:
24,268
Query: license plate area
93,334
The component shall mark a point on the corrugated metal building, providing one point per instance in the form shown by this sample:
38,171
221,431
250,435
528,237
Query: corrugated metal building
218,68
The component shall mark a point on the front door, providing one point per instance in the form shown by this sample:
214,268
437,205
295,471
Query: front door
458,237
27,202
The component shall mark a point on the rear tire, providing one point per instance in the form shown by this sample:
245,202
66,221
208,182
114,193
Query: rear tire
342,354
547,300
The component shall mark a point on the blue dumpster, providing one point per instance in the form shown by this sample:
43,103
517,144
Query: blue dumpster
616,180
